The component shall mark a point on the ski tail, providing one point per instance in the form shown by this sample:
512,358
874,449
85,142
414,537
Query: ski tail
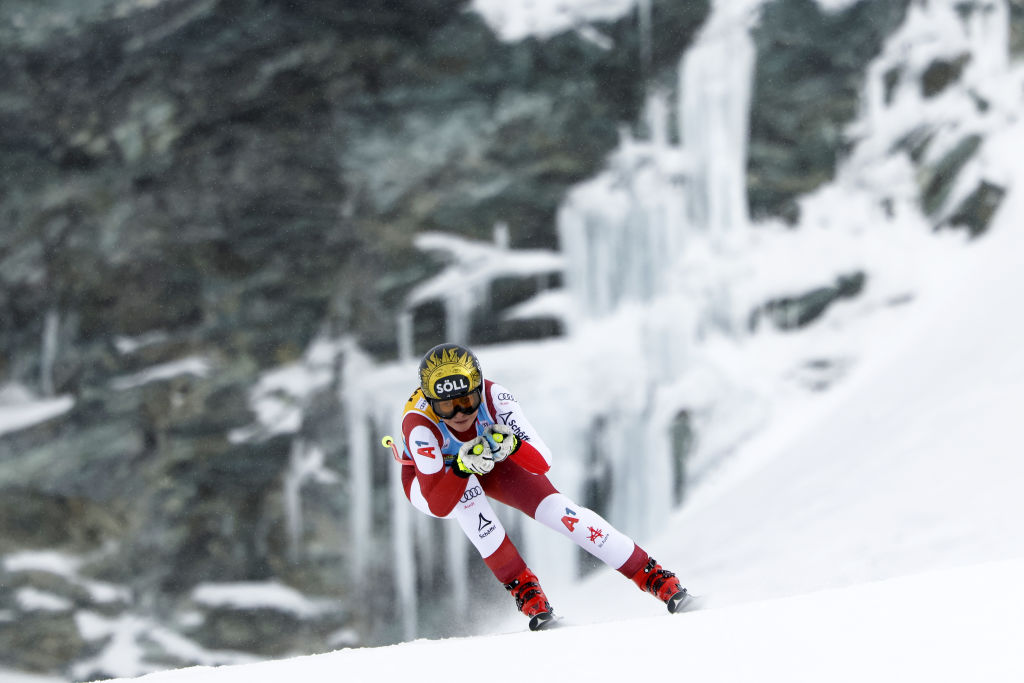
542,621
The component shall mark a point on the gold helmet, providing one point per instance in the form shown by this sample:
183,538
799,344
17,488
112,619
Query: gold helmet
449,371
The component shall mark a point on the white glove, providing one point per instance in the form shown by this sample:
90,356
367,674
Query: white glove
501,441
475,457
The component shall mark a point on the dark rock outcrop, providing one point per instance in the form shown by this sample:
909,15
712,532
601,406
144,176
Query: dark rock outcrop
203,186
810,74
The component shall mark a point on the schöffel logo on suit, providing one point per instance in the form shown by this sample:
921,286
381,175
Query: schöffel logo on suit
486,527
452,384
470,494
513,425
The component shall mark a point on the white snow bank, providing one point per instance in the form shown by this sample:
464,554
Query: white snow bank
19,409
11,676
66,567
125,650
33,600
257,595
193,365
515,20
49,561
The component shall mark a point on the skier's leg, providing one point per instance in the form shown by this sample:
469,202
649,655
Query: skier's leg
536,496
480,524
485,531
482,527
594,534
590,531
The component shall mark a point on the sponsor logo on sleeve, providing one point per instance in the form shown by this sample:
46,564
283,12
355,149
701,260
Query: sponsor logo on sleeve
570,519
509,421
425,450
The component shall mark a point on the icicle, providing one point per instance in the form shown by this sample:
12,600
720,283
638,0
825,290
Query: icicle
425,530
457,308
716,82
457,573
48,354
641,232
305,464
644,24
501,235
292,500
360,477
658,119
404,560
988,30
404,331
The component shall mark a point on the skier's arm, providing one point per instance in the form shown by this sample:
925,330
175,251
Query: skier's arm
441,488
509,413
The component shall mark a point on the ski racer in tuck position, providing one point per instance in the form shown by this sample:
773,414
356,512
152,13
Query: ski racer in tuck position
467,442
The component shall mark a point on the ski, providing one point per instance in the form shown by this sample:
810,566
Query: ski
543,621
679,602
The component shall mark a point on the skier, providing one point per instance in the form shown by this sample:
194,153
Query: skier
467,442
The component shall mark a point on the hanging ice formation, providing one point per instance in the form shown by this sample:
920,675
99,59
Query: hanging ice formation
638,241
645,251
464,285
603,395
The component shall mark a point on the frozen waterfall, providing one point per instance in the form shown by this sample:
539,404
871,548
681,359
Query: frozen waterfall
606,395
656,256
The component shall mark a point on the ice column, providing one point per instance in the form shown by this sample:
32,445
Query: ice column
623,230
715,90
360,479
988,30
293,500
405,564
405,340
305,464
51,326
643,244
458,306
644,25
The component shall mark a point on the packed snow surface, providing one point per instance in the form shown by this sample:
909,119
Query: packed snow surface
873,537
958,625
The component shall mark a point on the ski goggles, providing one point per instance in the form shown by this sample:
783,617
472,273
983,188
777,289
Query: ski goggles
449,407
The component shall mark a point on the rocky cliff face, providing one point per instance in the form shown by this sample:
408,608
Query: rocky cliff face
192,190
216,182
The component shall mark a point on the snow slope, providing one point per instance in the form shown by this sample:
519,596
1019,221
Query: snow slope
874,536
917,629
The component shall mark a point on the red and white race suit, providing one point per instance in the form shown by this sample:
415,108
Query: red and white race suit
435,486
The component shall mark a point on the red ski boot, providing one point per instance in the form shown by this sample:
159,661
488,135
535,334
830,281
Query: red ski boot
530,599
662,584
